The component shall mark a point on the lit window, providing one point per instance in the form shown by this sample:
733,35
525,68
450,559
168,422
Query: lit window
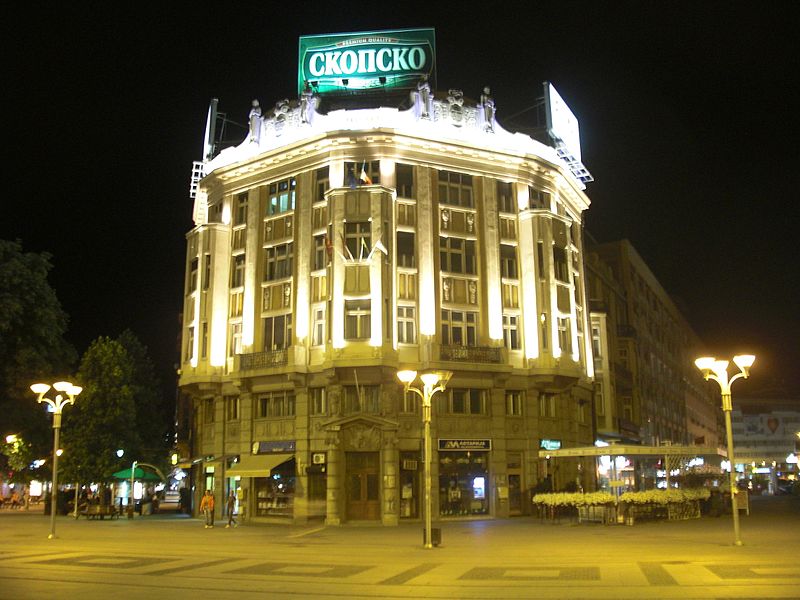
357,319
406,325
459,328
455,189
277,332
511,332
281,196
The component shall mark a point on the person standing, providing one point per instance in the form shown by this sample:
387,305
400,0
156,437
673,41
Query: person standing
231,507
207,508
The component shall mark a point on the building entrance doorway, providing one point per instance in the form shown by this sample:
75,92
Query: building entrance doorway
514,466
363,486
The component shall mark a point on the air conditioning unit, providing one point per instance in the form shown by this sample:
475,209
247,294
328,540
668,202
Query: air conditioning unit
409,465
318,458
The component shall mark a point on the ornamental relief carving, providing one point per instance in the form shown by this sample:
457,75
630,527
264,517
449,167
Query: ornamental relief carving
361,437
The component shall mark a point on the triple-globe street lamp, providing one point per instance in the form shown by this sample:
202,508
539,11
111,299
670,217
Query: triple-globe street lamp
432,382
67,396
718,371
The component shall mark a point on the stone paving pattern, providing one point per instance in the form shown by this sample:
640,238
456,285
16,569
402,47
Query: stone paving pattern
517,558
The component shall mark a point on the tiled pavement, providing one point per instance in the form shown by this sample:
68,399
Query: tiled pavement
489,559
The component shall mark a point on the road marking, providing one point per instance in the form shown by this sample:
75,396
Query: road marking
308,532
656,574
409,574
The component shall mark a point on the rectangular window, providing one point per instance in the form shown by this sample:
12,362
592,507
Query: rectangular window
192,285
537,199
318,328
231,408
505,198
318,402
358,239
564,335
405,180
514,403
208,410
406,286
277,332
362,173
189,343
410,403
357,319
508,261
236,304
406,254
323,183
599,401
467,402
406,325
406,214
279,262
281,196
361,399
319,258
235,341
237,271
457,255
547,405
240,213
455,189
511,332
459,328
204,341
275,405
206,271
560,266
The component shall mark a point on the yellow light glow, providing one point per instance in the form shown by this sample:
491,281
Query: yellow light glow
407,376
705,363
744,361
226,213
40,388
218,335
430,379
336,173
62,386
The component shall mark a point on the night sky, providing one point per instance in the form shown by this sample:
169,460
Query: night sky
688,116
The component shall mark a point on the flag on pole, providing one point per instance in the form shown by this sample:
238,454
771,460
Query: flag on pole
365,180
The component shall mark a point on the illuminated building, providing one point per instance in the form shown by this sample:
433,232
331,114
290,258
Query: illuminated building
353,233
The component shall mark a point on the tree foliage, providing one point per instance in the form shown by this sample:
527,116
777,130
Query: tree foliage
32,346
119,408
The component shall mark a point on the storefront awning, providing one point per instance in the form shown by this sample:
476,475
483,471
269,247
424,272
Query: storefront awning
257,466
630,450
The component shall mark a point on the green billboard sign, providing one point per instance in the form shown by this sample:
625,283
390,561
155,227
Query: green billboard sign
367,60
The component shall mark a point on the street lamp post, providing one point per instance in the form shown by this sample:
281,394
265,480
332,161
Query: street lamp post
718,371
67,396
431,383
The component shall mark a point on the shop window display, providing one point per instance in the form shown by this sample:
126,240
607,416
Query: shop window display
275,494
463,481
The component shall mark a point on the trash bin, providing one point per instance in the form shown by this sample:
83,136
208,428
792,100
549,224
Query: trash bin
436,536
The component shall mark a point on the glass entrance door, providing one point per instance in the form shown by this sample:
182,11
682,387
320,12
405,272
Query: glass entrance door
363,486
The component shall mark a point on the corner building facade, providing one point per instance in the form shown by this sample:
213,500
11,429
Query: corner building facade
332,249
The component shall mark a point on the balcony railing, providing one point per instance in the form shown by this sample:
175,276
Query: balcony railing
477,354
263,360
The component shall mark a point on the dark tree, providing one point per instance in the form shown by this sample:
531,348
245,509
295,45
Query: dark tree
32,346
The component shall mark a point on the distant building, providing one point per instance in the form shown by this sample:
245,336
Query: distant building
766,430
354,234
647,387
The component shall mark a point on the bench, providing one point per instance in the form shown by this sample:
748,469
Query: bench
97,511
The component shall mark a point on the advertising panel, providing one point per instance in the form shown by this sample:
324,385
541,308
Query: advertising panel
347,62
562,124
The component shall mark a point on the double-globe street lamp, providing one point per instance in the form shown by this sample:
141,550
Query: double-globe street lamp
718,371
67,396
432,382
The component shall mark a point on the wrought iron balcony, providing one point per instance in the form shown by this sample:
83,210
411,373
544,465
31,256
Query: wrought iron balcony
263,360
476,354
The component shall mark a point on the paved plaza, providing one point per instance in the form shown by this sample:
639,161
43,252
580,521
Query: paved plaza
176,557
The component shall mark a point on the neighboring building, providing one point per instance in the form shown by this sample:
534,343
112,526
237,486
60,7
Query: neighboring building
332,248
648,387
765,434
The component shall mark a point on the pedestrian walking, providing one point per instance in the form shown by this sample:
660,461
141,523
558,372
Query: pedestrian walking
207,508
231,507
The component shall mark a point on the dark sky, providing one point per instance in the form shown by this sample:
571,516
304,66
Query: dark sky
688,117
